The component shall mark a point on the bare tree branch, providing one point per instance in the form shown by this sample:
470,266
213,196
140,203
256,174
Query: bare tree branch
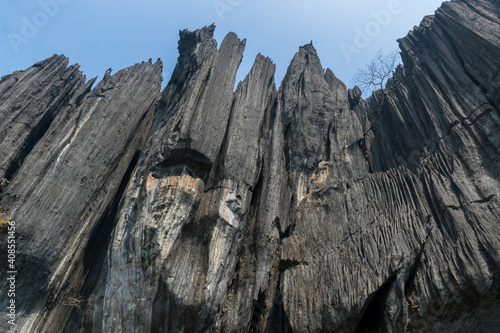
377,71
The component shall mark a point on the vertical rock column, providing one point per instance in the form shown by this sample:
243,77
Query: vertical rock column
176,240
68,180
26,110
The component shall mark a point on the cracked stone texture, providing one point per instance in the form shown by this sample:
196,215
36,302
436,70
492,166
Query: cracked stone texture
69,177
298,209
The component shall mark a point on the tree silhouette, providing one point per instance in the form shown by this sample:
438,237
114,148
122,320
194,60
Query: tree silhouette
377,71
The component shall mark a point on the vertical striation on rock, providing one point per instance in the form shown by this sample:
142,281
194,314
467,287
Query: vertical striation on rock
26,112
159,245
302,209
439,118
67,183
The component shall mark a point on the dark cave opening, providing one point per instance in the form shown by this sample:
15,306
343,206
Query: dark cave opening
374,317
184,161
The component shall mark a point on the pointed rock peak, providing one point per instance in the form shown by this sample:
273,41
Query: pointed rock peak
204,33
61,62
262,59
231,51
332,80
406,44
56,58
263,70
354,96
90,82
207,32
145,69
305,58
262,65
210,27
308,49
190,39
329,73
158,64
232,38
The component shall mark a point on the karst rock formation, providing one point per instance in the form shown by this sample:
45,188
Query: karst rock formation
201,208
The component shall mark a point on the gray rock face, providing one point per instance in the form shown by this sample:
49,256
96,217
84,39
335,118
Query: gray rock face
66,186
303,209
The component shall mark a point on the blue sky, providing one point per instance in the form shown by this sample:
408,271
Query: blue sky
99,34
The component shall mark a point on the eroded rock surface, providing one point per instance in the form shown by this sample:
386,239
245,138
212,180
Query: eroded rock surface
298,209
69,180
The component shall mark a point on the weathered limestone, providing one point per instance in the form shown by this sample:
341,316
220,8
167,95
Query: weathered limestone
303,209
67,184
